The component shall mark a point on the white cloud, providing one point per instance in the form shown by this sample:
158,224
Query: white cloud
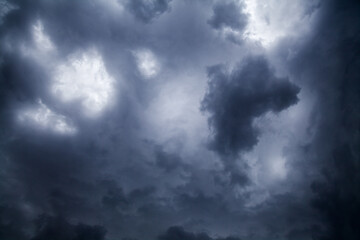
42,41
270,20
44,118
84,79
147,63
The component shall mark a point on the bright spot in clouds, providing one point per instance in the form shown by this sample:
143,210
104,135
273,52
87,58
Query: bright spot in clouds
270,20
44,118
147,63
42,41
278,167
83,79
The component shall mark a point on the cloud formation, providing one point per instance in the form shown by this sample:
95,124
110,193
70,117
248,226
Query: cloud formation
178,233
58,228
234,99
228,14
230,19
147,10
169,123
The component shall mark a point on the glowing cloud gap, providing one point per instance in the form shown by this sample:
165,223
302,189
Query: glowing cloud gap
44,118
42,41
84,79
271,20
147,63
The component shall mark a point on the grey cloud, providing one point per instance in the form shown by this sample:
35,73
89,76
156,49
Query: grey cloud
12,223
58,228
228,14
332,53
178,233
235,99
116,172
167,161
146,11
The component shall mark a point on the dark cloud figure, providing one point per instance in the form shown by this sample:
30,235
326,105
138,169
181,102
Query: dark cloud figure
58,228
235,99
147,10
178,233
228,14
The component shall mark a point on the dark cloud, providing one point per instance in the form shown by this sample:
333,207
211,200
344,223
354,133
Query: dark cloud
178,233
12,223
230,19
114,198
58,228
228,14
234,99
330,60
146,10
142,166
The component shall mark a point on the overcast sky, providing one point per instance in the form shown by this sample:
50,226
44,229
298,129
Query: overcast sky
179,120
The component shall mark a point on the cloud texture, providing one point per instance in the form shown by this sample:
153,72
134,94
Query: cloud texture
180,119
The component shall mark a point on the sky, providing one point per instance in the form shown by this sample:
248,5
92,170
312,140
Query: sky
179,120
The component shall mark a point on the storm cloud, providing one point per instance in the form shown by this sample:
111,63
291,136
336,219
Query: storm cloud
177,119
234,99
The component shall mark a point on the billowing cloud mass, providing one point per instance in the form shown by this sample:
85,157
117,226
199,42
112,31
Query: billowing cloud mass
189,120
234,99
